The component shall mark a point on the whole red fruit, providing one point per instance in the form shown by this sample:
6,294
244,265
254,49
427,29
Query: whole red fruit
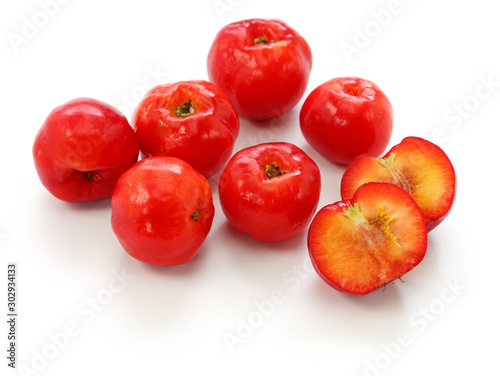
191,120
262,65
82,148
162,210
270,191
345,117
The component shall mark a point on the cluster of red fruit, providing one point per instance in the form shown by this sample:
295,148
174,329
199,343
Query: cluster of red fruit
162,206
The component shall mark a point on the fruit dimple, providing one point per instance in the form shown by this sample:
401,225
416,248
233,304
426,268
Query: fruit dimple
185,109
352,89
262,40
273,170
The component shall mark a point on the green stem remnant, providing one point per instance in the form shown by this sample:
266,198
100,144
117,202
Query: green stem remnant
88,175
273,170
196,214
184,110
262,39
397,176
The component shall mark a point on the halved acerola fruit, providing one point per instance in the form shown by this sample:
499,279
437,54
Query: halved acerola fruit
361,244
416,165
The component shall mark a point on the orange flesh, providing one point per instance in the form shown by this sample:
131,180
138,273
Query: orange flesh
419,167
376,240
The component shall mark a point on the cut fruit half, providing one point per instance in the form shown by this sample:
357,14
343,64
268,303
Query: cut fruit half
361,244
416,165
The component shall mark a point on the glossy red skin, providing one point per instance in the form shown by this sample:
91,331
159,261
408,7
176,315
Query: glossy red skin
152,211
270,209
83,135
340,126
204,139
263,80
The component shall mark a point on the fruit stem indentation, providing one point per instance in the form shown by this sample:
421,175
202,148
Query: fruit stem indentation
185,109
273,170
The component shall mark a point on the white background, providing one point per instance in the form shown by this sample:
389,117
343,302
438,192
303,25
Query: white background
432,60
